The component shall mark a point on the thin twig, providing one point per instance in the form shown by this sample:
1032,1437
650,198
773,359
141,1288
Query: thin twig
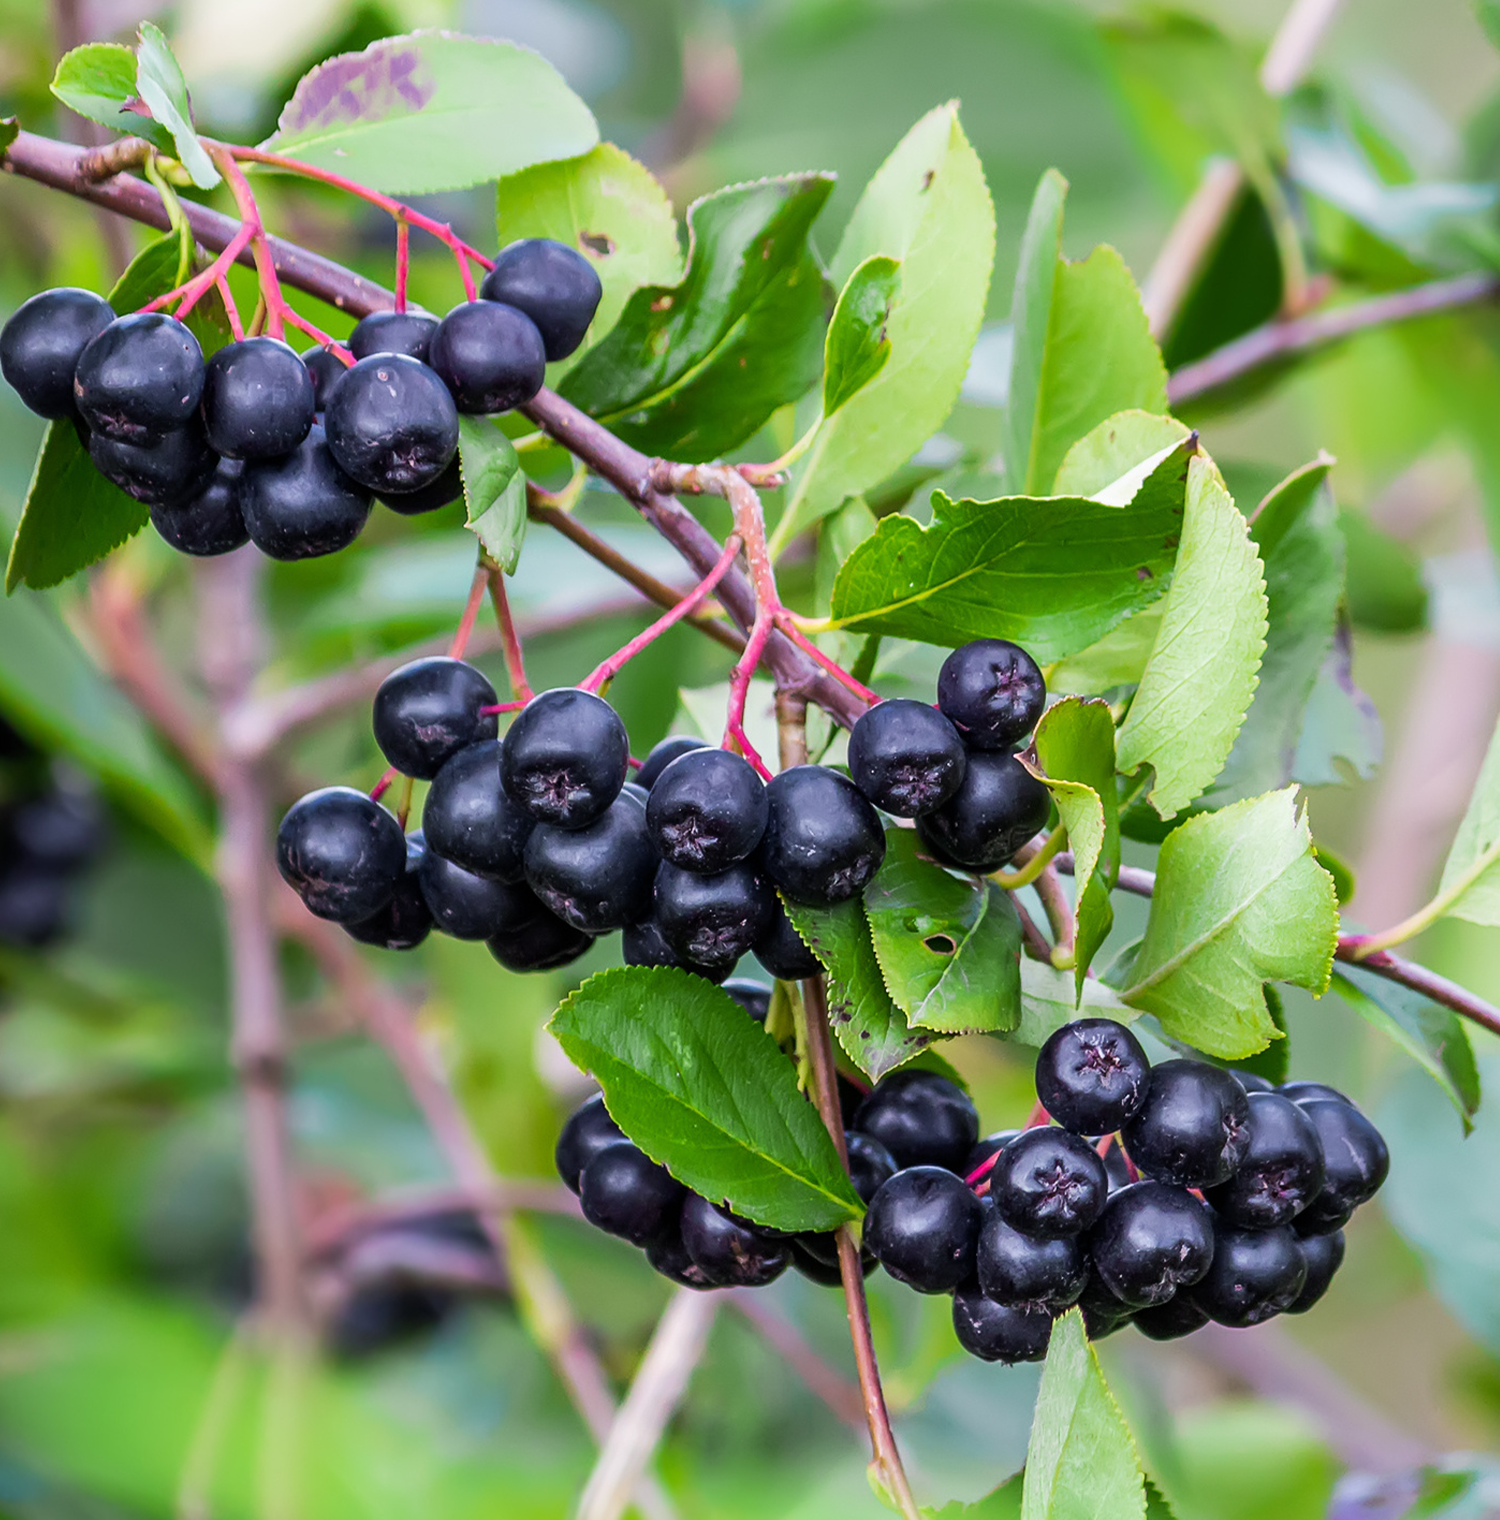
510,639
194,1487
822,1379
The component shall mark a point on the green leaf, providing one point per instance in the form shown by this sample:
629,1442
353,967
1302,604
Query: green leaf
1081,1462
1049,999
10,130
1004,1503
433,111
858,342
607,207
692,369
1110,451
1073,755
1432,1035
1384,585
161,86
1054,574
494,489
1240,900
704,1091
927,206
1198,683
1341,723
1470,887
1118,659
861,1011
98,80
1082,350
949,949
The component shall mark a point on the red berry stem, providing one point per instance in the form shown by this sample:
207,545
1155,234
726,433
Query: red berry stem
403,260
510,640
477,588
788,625
382,786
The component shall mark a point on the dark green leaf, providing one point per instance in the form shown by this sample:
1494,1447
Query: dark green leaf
1030,316
10,129
949,950
161,86
704,1090
869,1025
1054,574
494,489
1384,579
858,342
692,369
433,111
1339,869
98,80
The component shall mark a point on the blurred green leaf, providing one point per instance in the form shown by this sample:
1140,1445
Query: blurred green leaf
704,1090
858,344
1340,722
1242,1460
1383,579
1049,999
494,490
98,80
161,86
10,129
1470,887
1003,1504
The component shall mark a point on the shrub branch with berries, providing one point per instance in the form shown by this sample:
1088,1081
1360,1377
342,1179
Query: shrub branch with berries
1112,650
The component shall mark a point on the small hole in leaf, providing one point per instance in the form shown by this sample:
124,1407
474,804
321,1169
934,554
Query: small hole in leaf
941,944
597,243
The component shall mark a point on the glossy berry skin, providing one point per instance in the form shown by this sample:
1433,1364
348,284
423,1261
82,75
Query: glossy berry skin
542,943
711,920
662,754
781,949
823,840
1102,1312
1181,1315
906,757
1311,1092
1255,1274
303,505
985,1150
754,997
428,710
627,1194
140,378
566,757
642,944
729,1252
489,356
998,806
442,492
1092,1075
812,1261
1021,1270
470,819
258,399
1194,1126
553,284
1322,1255
343,853
588,1130
393,332
923,1226
871,1165
1251,1082
406,920
1150,1240
391,424
992,692
668,1256
41,343
921,1118
1280,1172
326,369
1049,1183
209,523
997,1333
1355,1162
596,878
707,811
467,906
166,470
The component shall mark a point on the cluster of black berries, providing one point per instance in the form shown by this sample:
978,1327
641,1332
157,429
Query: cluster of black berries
288,451
51,830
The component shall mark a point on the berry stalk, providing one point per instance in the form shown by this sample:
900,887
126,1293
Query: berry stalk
510,640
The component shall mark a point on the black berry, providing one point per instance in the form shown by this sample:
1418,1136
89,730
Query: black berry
998,806
998,1333
906,757
1252,1082
992,692
447,488
663,754
34,905
1102,1312
489,356
669,1256
566,757
1150,1240
870,1163
986,1149
588,1130
391,424
62,830
467,906
169,469
1311,1092
326,369
923,1225
210,522
711,920
343,853
1322,1255
393,332
427,711
729,1252
1193,1127
781,949
707,810
1280,1171
921,1118
542,943
754,997
1255,1274
823,840
626,1193
140,378
1023,1271
1181,1315
553,284
598,877
258,399
813,1263
1092,1075
470,819
406,920
1049,1183
1355,1162
41,343
303,505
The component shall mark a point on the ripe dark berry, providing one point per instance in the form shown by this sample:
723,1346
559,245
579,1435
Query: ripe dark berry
921,1118
870,1163
781,949
1193,1127
210,522
754,997
997,1333
1280,1171
1181,1315
669,1256
707,811
470,819
1117,1166
1092,1075
998,806
663,754
61,830
588,1130
303,505
923,1225
258,399
985,1149
140,378
391,424
553,284
812,1261
1323,1255
823,840
1021,1270
34,905
489,356
566,757
343,853
992,692
393,332
427,711
1150,1240
711,920
1355,1162
626,1193
41,343
1311,1092
1049,1183
599,877
1251,1082
168,469
447,488
1255,1274
729,1252
326,369
542,943
1103,1313
467,906
906,757
406,920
